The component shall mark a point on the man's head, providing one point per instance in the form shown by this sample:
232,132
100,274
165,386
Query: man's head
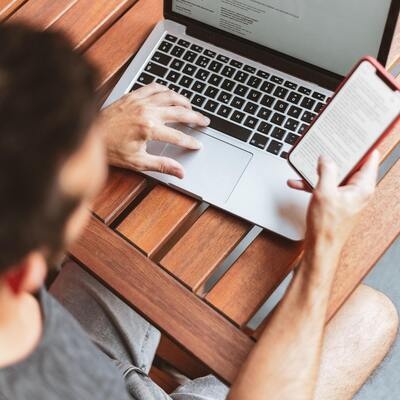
51,155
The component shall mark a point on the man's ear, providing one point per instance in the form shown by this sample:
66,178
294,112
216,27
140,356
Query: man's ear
28,275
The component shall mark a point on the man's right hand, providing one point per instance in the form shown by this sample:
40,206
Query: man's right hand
334,209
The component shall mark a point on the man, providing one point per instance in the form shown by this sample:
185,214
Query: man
52,165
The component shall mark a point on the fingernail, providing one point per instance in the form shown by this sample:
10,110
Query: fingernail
206,120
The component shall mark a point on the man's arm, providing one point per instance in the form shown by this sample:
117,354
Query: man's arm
284,363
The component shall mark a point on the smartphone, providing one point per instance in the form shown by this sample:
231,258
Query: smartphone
359,115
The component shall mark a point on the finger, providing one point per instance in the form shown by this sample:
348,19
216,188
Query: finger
169,98
368,174
298,185
164,165
184,116
173,136
327,172
148,90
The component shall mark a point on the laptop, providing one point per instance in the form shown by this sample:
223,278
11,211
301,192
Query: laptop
261,70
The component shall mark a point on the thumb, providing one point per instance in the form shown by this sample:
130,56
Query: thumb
164,165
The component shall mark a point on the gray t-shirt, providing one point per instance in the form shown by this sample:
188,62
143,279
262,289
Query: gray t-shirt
65,365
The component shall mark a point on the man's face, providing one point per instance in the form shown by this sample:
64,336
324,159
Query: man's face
82,177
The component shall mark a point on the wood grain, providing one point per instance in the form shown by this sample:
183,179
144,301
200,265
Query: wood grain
122,40
42,13
163,379
254,276
212,237
166,303
156,218
121,189
7,7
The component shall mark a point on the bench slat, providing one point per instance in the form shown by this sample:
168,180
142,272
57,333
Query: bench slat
7,7
211,238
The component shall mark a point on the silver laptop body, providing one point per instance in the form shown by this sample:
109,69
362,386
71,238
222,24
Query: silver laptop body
242,167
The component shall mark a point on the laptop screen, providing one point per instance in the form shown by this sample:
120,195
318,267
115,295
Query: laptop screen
331,34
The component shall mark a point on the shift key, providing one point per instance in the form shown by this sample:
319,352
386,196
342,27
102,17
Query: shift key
224,126
156,69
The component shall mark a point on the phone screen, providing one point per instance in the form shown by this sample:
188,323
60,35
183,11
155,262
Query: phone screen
349,126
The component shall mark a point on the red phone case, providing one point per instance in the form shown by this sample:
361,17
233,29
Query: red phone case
388,79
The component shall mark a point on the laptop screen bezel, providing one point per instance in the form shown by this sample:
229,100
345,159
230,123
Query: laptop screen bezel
276,59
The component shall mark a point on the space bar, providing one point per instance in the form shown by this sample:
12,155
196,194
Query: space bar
226,127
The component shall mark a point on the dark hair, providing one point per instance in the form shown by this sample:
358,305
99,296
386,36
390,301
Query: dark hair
47,104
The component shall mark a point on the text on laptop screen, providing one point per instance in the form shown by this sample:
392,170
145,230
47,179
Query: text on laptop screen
332,35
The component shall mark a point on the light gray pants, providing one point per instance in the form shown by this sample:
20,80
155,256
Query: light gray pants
128,339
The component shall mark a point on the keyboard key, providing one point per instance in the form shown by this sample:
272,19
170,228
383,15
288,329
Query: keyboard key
228,71
177,51
285,155
224,97
241,76
215,66
203,61
254,82
237,116
267,101
278,133
187,93
278,119
162,82
202,74
308,117
237,102
156,69
251,122
171,38
319,107
173,87
265,128
211,106
173,76
165,46
274,147
254,95
264,113
228,85
177,64
304,90
198,86
303,128
215,80
267,87
294,97
281,106
222,58
281,92
198,100
259,141
136,86
319,96
276,79
251,108
161,58
224,111
236,64
292,124
291,138
190,56
263,74
145,79
308,103
189,69
227,127
183,43
196,48
241,90
209,53
290,85
211,92
250,69
295,111
186,81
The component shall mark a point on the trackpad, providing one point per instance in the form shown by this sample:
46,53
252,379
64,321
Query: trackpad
212,172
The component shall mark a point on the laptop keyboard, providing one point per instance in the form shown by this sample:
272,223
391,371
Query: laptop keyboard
246,103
